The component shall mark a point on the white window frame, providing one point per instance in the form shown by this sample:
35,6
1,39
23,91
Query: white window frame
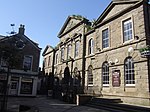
128,71
107,39
30,62
105,73
91,46
126,21
90,76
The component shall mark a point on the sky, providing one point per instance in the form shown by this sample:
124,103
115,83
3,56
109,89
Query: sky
43,19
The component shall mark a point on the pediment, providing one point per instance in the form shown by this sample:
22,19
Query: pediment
117,9
114,8
69,24
47,50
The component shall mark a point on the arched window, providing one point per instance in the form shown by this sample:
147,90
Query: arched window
90,75
105,73
91,46
129,72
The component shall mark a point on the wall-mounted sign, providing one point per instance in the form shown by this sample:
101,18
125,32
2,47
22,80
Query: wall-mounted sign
116,78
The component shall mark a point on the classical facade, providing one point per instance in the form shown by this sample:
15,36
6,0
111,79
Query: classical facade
67,63
19,65
112,58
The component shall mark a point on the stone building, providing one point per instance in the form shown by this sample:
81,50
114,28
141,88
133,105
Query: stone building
48,54
113,57
67,64
114,62
21,76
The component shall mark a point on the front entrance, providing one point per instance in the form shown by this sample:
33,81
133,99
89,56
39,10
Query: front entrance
67,77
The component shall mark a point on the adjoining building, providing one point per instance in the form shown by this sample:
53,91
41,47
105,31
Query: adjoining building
66,60
112,58
23,76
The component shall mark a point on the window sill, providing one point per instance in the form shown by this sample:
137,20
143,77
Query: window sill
128,41
90,85
105,85
130,85
105,49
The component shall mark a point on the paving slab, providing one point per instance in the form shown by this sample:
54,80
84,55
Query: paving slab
46,104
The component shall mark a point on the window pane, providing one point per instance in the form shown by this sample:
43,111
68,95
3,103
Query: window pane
49,60
27,62
68,51
76,48
91,46
105,38
90,76
129,71
105,73
127,30
56,59
62,54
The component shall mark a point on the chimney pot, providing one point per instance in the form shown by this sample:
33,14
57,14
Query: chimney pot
21,29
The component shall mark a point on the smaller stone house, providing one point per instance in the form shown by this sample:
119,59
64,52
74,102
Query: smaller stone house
23,76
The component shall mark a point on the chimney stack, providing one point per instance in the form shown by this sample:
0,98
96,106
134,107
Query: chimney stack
21,29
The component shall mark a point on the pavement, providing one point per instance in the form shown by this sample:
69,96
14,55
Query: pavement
46,104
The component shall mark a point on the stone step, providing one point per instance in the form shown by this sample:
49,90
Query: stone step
115,104
106,100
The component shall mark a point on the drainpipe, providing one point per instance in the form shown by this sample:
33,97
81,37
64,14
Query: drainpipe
54,52
147,12
146,8
53,61
83,58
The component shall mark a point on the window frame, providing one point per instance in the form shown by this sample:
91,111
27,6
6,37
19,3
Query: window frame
69,47
30,62
90,76
62,54
56,59
105,74
127,20
91,46
77,44
49,61
107,39
129,70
